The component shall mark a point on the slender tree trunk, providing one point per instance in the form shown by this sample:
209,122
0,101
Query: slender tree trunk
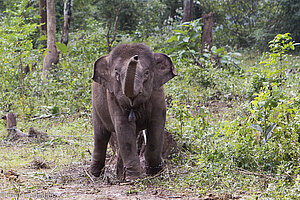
207,31
187,10
43,14
110,42
67,20
52,54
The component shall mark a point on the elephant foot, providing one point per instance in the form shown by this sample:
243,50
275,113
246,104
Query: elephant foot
150,170
96,168
130,178
130,175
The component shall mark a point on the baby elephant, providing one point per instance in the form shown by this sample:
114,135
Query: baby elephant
128,97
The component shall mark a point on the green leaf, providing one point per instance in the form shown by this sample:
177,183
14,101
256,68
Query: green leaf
257,127
270,131
173,38
219,50
43,37
186,39
196,35
180,31
237,54
62,47
186,23
206,55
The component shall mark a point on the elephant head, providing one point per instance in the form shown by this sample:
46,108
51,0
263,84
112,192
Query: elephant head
132,72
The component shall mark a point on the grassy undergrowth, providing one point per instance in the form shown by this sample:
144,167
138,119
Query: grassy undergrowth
220,152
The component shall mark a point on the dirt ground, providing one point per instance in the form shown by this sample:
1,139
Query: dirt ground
104,191
74,182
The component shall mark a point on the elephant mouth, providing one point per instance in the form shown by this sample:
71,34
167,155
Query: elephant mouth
136,101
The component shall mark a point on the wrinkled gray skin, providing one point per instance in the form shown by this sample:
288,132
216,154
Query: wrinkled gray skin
128,97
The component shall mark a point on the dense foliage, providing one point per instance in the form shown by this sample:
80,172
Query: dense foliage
234,112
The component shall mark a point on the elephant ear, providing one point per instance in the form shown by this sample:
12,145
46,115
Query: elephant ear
164,70
102,72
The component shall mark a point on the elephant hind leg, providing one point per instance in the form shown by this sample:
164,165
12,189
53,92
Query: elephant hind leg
120,168
101,138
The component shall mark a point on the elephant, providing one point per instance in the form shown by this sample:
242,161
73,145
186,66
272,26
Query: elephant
128,97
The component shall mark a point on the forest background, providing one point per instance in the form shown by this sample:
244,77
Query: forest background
233,109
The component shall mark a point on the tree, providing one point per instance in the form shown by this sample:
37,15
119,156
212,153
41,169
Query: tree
289,18
187,11
52,53
207,33
43,15
110,42
67,20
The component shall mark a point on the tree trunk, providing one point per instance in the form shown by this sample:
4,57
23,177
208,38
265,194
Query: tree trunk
67,20
52,54
207,32
43,14
187,11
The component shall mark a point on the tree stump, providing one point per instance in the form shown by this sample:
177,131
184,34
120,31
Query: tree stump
11,120
207,31
13,132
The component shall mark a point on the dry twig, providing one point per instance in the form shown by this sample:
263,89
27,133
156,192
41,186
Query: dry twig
87,173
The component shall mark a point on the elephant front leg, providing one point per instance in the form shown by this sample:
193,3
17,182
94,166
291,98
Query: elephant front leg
153,150
101,138
126,134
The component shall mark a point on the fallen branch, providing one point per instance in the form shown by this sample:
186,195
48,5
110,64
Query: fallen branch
47,116
197,61
267,176
41,117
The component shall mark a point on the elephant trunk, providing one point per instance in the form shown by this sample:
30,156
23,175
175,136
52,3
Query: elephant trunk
130,77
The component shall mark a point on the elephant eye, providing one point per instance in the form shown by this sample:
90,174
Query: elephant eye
117,75
146,74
